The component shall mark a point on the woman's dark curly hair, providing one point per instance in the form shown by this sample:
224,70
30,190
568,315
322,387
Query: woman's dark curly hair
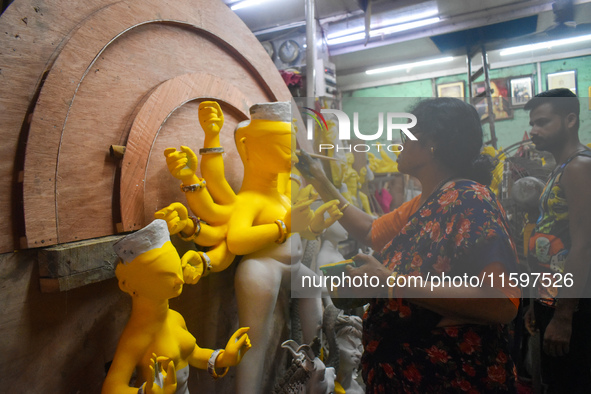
454,127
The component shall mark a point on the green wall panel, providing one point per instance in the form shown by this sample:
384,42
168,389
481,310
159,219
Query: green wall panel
508,131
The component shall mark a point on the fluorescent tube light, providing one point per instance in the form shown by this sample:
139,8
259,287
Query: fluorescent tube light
410,65
344,39
345,32
385,23
383,31
245,3
544,45
404,26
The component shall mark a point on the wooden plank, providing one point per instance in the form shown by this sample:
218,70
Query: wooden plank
52,285
68,266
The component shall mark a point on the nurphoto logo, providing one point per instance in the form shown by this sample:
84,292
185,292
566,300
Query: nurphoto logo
344,128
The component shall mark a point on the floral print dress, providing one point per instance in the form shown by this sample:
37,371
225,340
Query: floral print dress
460,229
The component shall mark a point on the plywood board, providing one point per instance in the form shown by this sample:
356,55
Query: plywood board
32,33
116,57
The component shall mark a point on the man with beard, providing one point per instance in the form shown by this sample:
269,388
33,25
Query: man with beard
562,309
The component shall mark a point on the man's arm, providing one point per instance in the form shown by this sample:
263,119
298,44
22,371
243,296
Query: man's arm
576,181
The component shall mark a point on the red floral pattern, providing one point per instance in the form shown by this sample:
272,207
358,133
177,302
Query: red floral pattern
405,351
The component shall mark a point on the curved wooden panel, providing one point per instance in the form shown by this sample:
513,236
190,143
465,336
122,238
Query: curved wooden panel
117,56
28,50
166,99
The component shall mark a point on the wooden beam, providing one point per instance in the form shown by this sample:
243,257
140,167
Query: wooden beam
68,266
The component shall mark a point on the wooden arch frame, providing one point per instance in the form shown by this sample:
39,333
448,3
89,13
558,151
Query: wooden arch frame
44,157
167,98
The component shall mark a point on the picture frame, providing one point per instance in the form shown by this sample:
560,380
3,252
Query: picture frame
452,89
562,79
521,90
501,99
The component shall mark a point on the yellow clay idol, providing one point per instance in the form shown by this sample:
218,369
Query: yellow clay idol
155,339
257,220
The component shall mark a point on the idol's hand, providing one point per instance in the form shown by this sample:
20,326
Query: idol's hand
177,218
211,117
182,164
193,267
169,382
237,346
319,223
301,214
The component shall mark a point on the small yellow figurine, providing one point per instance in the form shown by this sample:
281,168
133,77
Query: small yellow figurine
353,182
498,171
338,168
155,339
383,165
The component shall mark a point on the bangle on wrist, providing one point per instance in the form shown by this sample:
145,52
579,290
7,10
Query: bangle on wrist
296,178
206,263
395,291
315,233
196,229
210,151
194,187
211,364
282,231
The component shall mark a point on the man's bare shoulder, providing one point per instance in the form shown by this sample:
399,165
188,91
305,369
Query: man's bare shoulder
577,178
579,166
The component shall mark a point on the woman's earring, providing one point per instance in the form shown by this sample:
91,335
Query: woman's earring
432,150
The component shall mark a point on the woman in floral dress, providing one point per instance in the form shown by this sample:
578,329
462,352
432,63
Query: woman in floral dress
424,340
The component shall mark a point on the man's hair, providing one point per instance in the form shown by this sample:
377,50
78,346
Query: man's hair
562,100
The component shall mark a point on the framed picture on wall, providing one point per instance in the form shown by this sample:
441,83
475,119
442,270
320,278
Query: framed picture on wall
452,89
521,89
562,79
501,99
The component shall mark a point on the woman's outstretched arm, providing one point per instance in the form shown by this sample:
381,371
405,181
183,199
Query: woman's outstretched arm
354,220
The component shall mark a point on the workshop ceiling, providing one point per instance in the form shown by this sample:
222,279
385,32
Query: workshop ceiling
497,23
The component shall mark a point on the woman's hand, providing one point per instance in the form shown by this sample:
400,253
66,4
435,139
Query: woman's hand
169,382
310,169
368,267
237,346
